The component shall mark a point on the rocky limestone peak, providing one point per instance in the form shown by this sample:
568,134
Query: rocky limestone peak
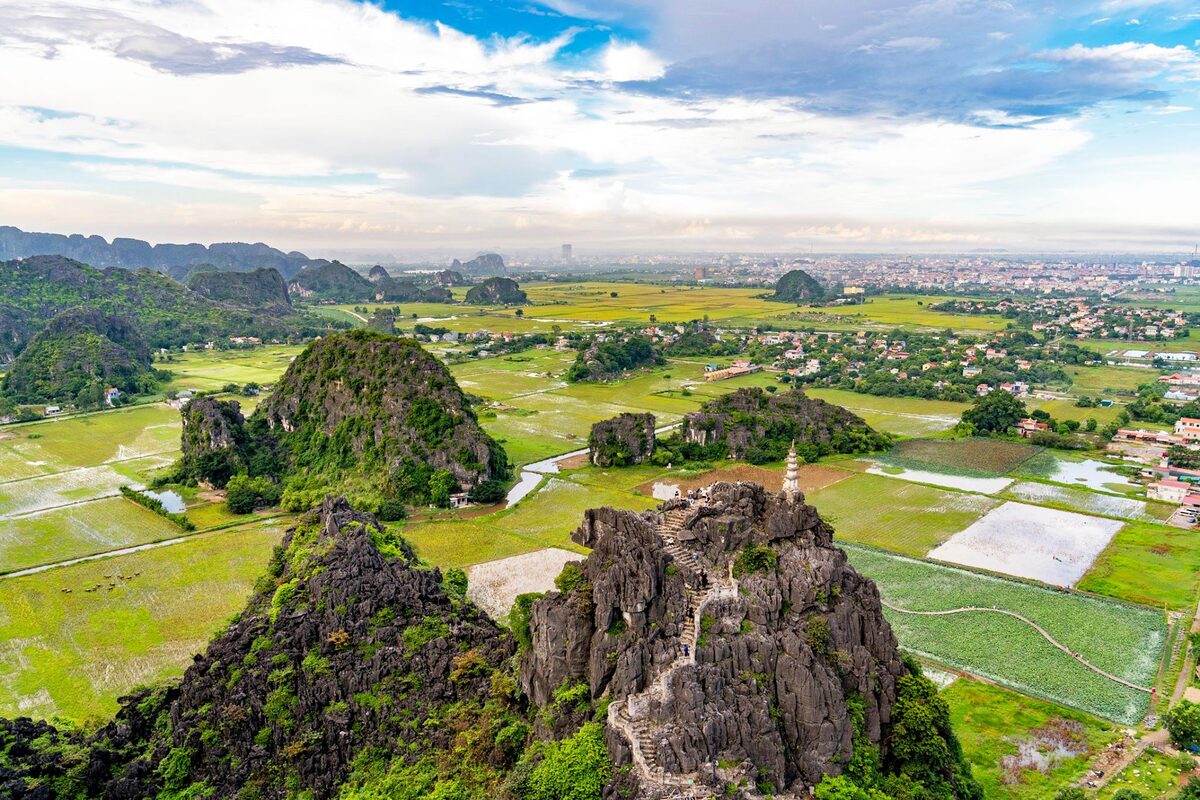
733,641
348,647
622,440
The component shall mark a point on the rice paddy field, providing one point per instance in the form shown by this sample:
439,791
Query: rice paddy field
211,370
545,519
74,531
1124,640
904,416
585,304
72,654
1089,502
981,457
896,515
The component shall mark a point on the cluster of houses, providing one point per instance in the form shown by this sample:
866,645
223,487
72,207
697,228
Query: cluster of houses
1168,483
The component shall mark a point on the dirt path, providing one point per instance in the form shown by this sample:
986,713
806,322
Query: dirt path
1030,623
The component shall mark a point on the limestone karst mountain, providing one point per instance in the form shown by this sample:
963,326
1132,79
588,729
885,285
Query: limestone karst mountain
715,647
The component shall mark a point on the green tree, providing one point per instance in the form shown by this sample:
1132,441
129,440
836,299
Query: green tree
1183,723
243,494
995,412
489,491
441,486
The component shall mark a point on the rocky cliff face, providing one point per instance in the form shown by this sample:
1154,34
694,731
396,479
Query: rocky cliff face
752,423
486,264
378,274
621,441
260,288
213,441
382,321
331,281
784,642
363,403
497,292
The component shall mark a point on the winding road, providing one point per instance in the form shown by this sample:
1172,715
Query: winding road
1030,623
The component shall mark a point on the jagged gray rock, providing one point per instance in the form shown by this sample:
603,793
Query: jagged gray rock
780,632
622,440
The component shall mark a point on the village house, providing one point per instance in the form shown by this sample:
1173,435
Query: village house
1188,428
1168,490
1029,427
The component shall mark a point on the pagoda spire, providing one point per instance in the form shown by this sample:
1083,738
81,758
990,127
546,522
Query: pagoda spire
791,479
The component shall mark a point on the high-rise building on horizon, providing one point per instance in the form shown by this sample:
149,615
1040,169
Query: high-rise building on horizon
566,253
701,273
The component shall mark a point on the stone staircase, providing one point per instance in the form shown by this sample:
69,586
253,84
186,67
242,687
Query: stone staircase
632,715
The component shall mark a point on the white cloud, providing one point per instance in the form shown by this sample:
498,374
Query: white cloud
918,43
631,62
401,133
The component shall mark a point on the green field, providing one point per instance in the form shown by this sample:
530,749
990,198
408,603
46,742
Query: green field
993,723
74,531
897,515
1124,640
988,458
571,305
1152,564
209,370
1106,381
74,654
1062,410
541,415
55,445
904,416
544,519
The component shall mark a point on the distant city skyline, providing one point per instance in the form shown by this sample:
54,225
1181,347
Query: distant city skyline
629,126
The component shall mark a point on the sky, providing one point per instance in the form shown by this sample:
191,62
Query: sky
625,125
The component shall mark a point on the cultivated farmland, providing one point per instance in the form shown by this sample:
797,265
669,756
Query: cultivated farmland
1124,640
976,457
896,515
1045,544
74,654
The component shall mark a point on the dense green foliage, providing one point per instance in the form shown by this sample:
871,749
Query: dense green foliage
606,360
362,413
1183,723
760,427
797,286
924,758
995,413
576,768
78,357
243,494
165,313
697,341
